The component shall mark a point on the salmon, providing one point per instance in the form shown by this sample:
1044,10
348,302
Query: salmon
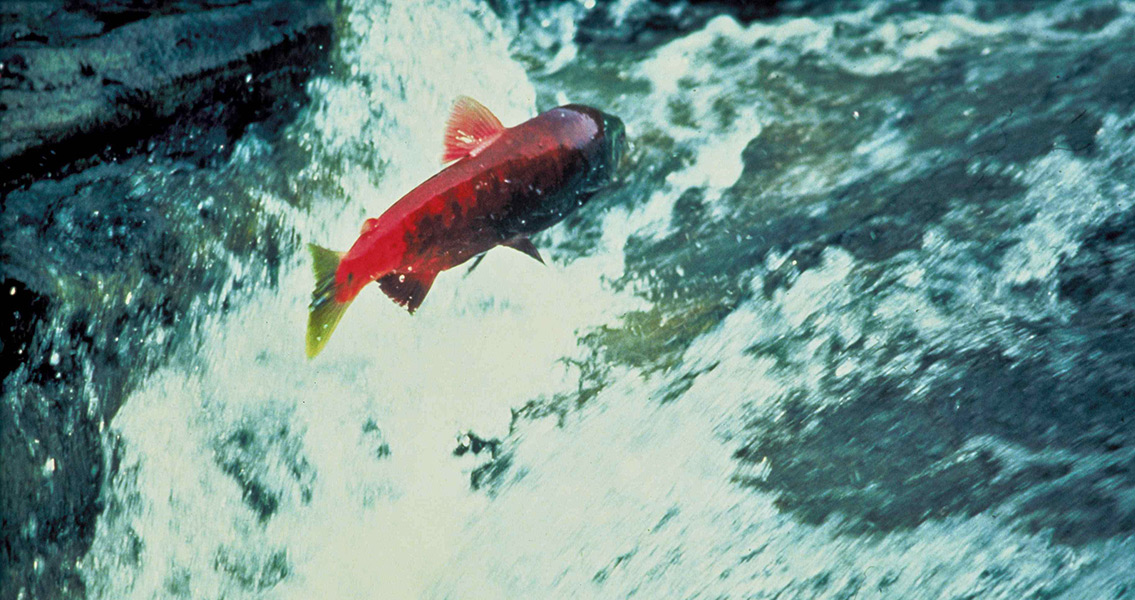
502,186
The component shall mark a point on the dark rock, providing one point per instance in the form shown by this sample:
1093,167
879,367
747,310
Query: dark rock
92,267
50,492
110,75
641,22
659,19
107,280
18,323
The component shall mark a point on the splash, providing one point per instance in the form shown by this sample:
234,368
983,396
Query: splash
801,323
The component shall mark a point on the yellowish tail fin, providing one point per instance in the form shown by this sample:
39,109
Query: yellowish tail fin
325,311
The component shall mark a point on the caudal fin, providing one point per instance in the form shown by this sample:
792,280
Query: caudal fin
325,310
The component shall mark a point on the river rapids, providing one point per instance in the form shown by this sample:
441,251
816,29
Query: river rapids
858,323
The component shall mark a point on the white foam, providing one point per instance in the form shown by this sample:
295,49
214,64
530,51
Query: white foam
371,524
630,496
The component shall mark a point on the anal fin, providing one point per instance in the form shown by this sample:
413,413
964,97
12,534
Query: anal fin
526,246
407,289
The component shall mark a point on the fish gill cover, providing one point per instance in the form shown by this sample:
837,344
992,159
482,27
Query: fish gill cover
857,324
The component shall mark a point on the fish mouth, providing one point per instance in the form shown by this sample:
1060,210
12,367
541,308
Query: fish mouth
617,140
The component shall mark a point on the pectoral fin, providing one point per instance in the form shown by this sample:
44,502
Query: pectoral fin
476,261
526,246
407,289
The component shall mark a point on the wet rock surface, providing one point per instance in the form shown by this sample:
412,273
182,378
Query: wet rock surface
85,80
102,103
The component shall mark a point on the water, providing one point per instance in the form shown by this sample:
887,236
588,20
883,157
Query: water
857,324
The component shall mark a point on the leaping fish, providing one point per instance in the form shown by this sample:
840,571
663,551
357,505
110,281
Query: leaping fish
507,183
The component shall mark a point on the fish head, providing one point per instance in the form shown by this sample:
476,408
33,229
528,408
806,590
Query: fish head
603,140
608,153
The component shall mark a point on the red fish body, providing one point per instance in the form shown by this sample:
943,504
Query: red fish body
507,184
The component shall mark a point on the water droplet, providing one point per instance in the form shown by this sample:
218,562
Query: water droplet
401,278
54,360
49,466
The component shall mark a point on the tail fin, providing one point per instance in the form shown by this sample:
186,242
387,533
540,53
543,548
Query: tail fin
325,311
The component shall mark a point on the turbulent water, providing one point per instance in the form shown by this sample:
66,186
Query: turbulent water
859,323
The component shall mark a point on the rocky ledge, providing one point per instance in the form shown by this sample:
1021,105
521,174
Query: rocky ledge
83,80
90,92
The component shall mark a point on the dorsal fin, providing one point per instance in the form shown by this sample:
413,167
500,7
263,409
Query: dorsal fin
470,128
407,289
